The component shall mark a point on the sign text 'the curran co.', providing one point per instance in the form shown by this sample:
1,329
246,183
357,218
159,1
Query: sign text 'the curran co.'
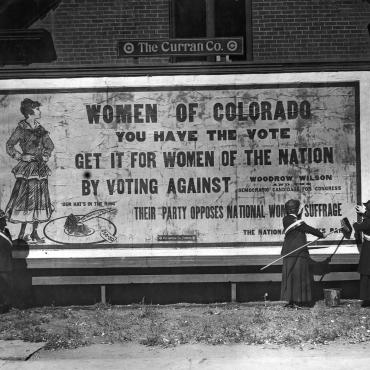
172,47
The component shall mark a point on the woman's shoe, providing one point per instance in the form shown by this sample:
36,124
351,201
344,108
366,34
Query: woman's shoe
35,237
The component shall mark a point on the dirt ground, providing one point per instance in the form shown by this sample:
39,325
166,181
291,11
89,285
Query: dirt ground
207,357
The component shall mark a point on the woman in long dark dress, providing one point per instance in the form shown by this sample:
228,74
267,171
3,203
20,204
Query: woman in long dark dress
364,263
30,201
296,287
6,265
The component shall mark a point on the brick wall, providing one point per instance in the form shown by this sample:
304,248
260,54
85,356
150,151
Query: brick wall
87,31
310,29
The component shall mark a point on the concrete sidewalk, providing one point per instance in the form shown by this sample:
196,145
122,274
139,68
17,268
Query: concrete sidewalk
136,357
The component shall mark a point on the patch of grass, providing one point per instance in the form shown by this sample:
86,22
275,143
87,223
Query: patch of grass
33,334
71,327
67,337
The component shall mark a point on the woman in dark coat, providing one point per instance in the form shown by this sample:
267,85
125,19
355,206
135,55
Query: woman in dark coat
364,263
5,265
296,287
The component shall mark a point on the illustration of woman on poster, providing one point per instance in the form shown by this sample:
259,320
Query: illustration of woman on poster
30,201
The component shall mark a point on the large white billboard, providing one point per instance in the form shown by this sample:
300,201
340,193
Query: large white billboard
177,165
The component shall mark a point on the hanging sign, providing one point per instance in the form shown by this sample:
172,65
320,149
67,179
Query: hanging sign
187,47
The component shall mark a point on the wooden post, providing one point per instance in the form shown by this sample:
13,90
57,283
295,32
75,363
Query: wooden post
233,292
210,24
102,294
210,18
248,30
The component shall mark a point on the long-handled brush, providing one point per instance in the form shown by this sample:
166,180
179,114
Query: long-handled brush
345,228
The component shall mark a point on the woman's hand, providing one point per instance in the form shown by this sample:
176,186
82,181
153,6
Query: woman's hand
27,157
360,209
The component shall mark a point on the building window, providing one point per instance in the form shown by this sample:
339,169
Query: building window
212,18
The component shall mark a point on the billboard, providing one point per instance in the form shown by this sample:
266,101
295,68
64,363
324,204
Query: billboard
177,165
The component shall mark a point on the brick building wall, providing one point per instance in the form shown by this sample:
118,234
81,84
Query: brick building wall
87,31
310,29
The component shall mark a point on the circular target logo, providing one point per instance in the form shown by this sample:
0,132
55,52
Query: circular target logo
232,45
128,48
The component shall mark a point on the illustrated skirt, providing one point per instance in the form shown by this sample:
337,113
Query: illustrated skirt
296,285
29,201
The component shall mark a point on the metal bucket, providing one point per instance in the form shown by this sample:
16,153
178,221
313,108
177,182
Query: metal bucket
332,297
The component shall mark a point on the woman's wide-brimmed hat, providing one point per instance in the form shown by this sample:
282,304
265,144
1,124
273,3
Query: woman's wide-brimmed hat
367,204
292,206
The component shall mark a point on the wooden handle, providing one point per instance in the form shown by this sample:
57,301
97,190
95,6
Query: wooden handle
297,249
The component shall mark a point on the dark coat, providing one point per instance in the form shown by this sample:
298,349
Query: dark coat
5,251
364,263
296,273
296,236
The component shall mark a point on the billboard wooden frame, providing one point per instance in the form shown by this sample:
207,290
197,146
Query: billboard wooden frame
173,70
